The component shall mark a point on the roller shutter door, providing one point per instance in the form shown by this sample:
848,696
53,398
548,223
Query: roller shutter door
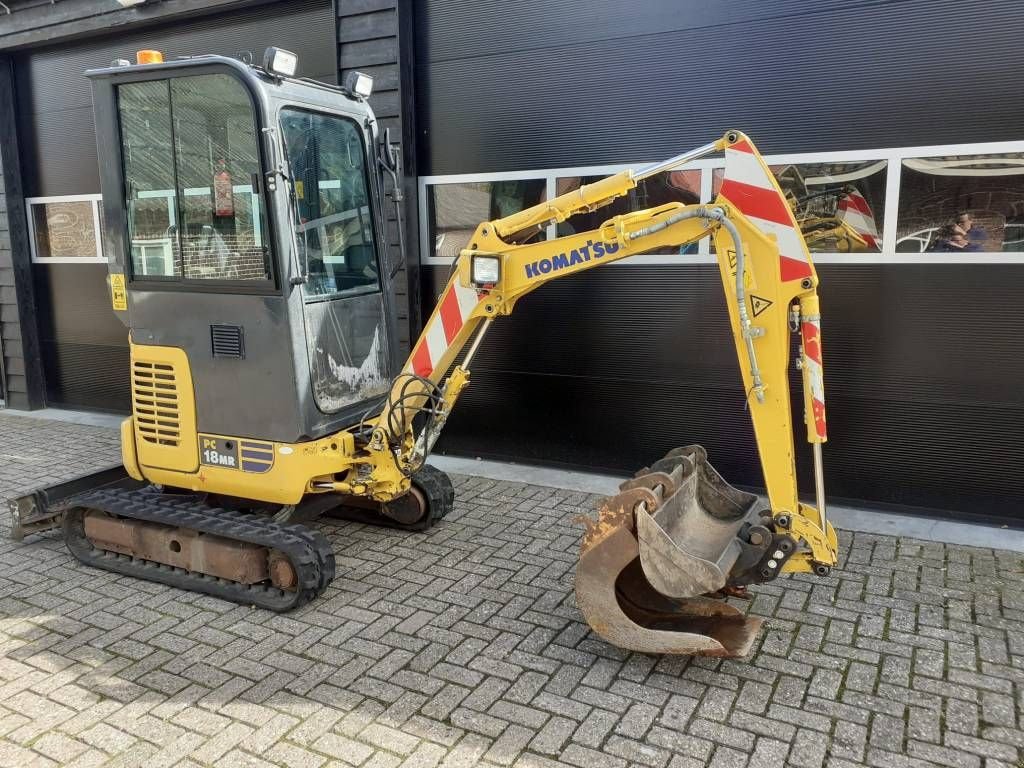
610,369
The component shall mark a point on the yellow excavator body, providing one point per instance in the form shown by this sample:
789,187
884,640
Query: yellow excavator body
659,557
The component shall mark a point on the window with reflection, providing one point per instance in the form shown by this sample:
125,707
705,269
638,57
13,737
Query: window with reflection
672,187
64,229
331,201
455,210
961,204
217,159
192,179
838,206
148,158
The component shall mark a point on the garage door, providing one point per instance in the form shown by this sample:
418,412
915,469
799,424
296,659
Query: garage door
84,347
607,370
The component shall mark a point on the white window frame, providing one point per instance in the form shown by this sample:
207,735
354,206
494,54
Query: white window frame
97,200
894,156
98,258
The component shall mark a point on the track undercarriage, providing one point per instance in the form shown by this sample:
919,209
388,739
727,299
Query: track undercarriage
182,542
192,542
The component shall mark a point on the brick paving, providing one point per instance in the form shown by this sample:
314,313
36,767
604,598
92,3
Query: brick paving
463,646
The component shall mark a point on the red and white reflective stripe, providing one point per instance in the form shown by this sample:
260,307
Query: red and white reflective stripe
450,314
854,210
750,186
810,330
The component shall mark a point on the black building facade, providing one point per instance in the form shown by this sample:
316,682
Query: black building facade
887,120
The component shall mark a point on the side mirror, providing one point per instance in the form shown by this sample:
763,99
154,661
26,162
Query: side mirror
389,155
390,152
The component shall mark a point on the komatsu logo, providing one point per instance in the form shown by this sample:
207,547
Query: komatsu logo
587,252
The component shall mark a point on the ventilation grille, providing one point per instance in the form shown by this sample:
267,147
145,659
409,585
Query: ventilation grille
155,396
227,341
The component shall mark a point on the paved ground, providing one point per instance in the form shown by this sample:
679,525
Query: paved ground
463,646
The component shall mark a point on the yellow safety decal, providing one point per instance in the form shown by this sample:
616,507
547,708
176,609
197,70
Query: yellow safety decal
759,304
300,189
118,294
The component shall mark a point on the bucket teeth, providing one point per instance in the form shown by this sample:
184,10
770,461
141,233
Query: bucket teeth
667,614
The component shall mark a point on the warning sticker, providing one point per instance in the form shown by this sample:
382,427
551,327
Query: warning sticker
759,305
118,295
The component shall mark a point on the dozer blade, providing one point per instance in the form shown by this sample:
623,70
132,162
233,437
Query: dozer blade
667,614
43,509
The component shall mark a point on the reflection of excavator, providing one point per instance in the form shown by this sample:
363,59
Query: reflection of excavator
829,234
836,219
227,451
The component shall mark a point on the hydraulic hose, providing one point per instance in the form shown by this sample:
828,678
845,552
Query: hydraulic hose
718,214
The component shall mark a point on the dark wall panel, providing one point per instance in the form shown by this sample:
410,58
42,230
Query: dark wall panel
18,338
368,32
610,369
83,345
514,84
61,152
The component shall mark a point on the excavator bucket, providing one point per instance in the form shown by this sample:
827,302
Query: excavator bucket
674,535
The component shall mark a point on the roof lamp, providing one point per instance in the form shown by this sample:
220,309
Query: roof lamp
280,62
359,84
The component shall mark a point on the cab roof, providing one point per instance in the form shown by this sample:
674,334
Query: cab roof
277,86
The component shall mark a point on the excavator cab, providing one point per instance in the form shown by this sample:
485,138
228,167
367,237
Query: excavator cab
226,186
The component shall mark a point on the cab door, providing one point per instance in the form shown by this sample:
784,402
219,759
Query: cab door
345,307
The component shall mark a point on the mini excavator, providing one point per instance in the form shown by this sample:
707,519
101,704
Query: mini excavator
244,223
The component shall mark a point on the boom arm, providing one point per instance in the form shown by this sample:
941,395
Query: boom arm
770,287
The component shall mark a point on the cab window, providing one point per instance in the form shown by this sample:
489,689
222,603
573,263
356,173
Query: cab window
192,180
331,206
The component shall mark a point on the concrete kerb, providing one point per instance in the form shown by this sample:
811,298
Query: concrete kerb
859,519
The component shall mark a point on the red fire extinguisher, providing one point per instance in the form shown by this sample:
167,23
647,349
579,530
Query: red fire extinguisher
223,197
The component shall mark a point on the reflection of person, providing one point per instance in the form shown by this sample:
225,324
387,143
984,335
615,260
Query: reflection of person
960,242
974,234
963,235
953,239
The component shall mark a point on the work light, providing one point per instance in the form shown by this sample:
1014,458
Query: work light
486,270
359,84
280,62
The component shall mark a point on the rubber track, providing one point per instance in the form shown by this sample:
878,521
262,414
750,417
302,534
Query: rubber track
437,487
308,551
